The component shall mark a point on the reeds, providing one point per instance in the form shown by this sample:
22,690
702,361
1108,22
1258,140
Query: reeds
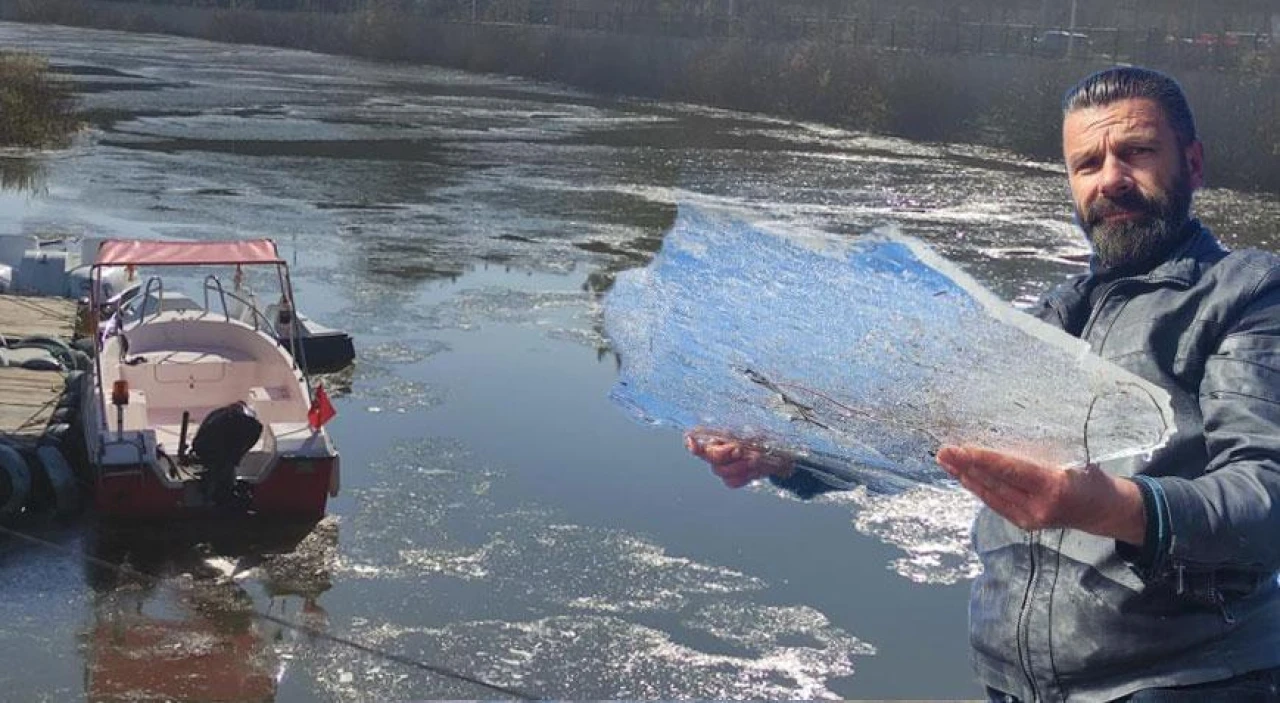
37,108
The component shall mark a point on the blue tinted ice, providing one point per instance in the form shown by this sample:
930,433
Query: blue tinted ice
867,352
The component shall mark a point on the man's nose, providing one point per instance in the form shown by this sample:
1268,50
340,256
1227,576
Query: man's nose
1116,179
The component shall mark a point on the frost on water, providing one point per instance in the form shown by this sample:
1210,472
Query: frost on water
513,595
865,352
930,524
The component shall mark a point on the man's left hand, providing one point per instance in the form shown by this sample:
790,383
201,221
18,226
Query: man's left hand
1036,496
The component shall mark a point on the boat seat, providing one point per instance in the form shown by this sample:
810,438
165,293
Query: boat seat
173,416
167,437
295,438
191,380
275,404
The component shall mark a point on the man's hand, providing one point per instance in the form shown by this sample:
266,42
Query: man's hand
737,462
1036,496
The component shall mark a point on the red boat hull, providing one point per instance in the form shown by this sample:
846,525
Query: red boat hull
296,488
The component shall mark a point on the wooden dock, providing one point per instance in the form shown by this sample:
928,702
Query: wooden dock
28,398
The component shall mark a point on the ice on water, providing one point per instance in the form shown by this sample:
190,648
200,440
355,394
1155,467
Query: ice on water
869,352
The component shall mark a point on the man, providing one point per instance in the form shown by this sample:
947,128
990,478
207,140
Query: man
1148,579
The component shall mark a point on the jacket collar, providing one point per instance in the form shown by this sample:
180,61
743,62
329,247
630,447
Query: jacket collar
1070,303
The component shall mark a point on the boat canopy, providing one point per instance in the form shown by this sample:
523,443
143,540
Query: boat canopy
143,252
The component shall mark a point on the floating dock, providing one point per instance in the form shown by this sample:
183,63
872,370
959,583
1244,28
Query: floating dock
28,398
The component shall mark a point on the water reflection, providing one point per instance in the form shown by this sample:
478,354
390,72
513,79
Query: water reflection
22,174
487,581
172,616
200,643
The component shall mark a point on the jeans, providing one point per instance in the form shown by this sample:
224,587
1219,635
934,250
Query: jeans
1254,687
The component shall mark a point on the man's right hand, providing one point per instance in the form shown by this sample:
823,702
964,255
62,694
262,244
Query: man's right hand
736,461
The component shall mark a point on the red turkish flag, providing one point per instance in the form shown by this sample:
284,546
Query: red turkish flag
321,410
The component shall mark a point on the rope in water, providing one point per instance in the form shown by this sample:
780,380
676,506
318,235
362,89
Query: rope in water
441,671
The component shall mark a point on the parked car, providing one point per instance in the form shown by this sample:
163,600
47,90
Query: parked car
1247,40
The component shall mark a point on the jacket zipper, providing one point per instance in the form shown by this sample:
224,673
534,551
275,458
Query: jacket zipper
1024,623
1095,310
1023,631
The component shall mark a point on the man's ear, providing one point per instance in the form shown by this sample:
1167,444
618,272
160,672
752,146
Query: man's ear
1194,154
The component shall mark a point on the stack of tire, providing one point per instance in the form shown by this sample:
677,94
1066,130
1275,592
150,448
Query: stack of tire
36,479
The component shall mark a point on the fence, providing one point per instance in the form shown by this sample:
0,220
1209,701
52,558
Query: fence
1226,49
1253,51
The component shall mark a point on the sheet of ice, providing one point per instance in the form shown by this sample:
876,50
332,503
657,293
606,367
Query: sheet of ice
867,352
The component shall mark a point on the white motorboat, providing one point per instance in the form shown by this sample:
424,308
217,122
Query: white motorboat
199,409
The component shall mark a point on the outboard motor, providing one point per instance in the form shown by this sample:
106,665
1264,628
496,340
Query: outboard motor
224,437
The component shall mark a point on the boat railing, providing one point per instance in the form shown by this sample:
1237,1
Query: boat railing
221,294
146,295
272,327
256,315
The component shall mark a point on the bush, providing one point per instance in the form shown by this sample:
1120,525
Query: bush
36,108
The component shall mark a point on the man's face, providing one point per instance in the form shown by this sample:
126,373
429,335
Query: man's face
1130,180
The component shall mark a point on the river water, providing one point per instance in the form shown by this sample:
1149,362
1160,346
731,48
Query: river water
499,517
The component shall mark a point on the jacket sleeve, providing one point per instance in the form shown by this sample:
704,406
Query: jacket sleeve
1230,516
815,476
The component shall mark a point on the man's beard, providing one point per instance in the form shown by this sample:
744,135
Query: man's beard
1138,243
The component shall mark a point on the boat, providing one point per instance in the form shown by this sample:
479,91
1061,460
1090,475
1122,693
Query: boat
199,410
54,267
317,348
321,349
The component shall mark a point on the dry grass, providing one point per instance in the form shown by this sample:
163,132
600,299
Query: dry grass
37,109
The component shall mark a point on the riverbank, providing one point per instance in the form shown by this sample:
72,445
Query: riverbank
1002,101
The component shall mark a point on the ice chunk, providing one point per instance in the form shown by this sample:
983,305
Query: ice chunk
868,351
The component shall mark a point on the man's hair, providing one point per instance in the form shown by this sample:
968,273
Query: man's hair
1126,82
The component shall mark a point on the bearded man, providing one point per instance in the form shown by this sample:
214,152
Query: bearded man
1152,578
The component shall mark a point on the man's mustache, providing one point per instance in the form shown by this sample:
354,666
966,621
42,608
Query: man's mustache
1129,202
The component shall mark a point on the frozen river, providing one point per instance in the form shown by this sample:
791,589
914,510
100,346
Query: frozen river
499,517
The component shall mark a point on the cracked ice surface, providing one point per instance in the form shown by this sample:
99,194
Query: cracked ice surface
868,352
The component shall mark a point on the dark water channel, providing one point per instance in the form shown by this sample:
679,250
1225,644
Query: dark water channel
499,516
